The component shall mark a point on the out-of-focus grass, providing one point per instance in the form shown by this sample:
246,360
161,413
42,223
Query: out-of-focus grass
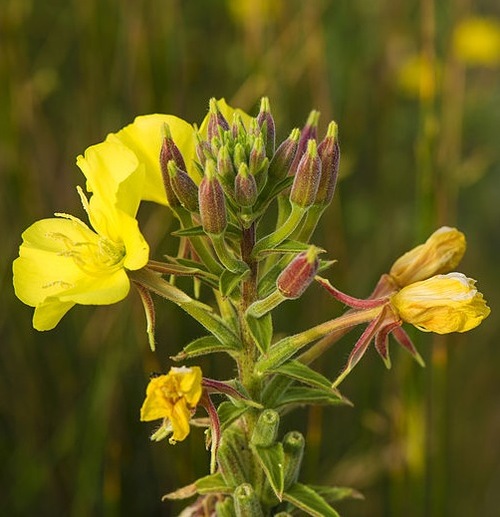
415,155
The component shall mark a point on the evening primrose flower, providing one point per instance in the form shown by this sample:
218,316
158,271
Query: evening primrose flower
441,304
63,262
476,41
173,397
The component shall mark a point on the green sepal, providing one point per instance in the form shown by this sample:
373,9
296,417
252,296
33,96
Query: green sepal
302,373
303,395
228,281
214,483
228,413
326,264
261,330
272,460
332,494
307,500
203,346
225,508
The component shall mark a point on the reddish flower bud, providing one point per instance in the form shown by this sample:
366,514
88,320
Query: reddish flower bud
169,152
212,202
299,274
306,181
309,132
265,121
184,187
283,158
216,120
245,187
329,153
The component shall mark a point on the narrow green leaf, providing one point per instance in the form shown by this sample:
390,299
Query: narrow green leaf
336,493
272,460
262,331
228,281
289,246
301,372
212,483
202,346
307,500
189,232
303,395
228,412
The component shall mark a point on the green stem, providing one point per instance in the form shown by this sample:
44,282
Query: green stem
261,307
272,240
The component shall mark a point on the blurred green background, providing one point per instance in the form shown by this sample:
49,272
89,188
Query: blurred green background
415,89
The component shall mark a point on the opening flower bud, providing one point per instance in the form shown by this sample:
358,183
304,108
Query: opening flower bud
184,187
329,153
265,121
216,120
440,253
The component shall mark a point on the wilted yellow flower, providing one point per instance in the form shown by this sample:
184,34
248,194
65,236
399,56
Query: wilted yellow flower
173,397
476,41
440,253
63,262
441,304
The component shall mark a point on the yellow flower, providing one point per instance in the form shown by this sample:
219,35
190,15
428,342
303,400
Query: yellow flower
416,77
476,41
173,397
144,138
63,262
441,304
440,253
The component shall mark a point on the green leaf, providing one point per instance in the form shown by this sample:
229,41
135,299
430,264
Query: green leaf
302,395
289,246
262,331
336,493
189,232
228,281
307,500
272,461
212,483
228,412
202,346
301,372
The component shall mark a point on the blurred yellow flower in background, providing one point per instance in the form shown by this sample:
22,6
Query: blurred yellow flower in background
441,304
416,77
173,397
476,41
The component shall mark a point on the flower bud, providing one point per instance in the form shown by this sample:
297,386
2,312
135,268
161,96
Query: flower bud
283,158
440,253
237,127
170,152
258,162
212,203
306,181
309,132
239,155
298,275
184,187
216,120
246,501
441,304
266,429
329,153
245,187
265,121
293,447
203,150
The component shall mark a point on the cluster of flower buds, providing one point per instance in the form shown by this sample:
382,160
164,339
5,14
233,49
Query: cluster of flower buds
242,170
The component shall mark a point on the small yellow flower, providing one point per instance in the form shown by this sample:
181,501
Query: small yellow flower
173,397
441,304
440,253
416,77
476,41
63,262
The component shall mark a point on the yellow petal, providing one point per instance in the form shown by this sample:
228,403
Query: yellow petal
144,138
441,253
180,421
441,304
156,405
49,313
